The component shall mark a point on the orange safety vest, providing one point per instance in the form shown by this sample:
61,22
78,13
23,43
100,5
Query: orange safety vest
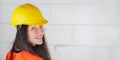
23,55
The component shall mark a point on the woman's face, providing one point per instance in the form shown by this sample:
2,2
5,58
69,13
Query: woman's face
35,35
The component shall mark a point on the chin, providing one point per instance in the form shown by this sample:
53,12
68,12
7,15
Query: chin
40,43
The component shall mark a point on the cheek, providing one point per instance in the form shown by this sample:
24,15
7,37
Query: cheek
31,36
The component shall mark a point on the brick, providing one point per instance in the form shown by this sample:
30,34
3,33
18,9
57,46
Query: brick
83,53
37,1
7,33
59,34
63,14
97,35
85,14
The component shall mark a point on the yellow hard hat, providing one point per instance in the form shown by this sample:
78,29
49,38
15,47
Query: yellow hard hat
27,14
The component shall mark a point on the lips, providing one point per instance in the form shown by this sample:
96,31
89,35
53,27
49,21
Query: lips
39,38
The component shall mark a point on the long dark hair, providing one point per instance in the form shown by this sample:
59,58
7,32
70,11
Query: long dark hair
21,43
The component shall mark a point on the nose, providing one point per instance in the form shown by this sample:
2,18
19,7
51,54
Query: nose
40,31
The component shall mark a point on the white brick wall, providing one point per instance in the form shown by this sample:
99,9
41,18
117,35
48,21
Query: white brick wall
65,34
77,29
97,35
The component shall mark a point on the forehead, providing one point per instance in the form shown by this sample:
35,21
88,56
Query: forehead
34,26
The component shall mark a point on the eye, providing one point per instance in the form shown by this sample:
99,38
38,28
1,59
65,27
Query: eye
33,28
41,26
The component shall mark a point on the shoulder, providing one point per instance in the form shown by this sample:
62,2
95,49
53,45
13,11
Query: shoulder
23,55
16,56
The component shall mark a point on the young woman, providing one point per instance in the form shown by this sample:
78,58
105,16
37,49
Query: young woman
29,43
